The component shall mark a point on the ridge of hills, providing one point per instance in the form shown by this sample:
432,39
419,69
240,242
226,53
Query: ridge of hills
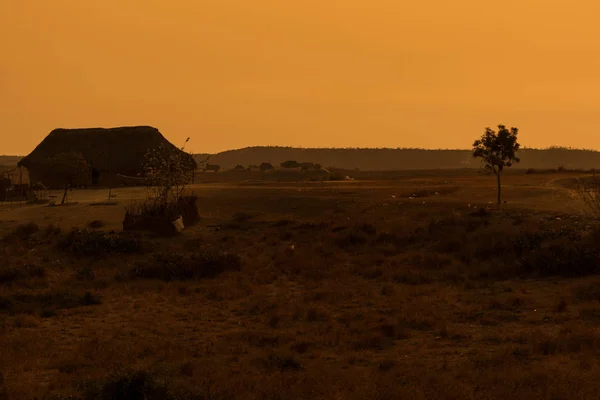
388,159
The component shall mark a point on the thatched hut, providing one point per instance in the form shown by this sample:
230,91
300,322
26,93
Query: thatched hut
108,153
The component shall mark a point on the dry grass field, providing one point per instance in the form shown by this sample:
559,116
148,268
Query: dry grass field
413,288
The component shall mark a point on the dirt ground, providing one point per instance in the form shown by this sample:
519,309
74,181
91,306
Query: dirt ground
409,288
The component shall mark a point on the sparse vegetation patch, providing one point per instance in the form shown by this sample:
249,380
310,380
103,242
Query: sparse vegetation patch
85,243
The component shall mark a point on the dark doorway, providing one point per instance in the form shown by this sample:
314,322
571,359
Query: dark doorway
95,177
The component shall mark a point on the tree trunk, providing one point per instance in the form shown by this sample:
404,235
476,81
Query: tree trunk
64,199
499,191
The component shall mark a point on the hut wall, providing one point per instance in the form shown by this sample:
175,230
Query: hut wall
53,182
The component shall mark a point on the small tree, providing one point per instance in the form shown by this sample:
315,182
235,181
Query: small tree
69,168
169,172
497,150
290,164
266,166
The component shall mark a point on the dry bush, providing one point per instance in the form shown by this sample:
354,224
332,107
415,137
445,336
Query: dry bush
242,216
158,217
45,303
588,291
22,232
129,384
96,224
497,249
589,192
173,266
358,235
84,243
11,273
168,171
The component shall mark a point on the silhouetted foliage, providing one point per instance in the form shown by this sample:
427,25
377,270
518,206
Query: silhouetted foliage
68,168
290,164
266,167
497,150
169,172
212,167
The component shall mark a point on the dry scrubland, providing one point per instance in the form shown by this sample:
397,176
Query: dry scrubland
342,290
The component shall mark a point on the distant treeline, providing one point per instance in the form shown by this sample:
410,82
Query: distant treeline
400,159
387,159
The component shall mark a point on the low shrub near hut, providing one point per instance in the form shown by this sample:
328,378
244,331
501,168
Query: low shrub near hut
159,217
169,172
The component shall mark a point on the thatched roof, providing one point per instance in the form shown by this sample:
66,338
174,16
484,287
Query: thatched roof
116,149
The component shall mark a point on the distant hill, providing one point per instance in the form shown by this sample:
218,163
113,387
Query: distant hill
388,159
399,159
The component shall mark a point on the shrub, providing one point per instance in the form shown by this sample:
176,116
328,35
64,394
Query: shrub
481,212
386,238
158,217
563,257
282,222
52,230
85,273
22,232
265,167
82,242
171,266
351,239
588,292
128,384
96,224
290,164
11,273
3,388
46,303
242,216
367,228
283,363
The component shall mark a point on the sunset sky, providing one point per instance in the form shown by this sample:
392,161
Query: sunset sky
311,73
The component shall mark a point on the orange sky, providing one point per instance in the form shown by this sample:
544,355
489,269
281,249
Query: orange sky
234,73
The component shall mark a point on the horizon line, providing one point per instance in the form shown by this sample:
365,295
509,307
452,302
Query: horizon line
553,147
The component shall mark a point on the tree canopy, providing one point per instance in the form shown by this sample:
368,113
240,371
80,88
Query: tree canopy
497,150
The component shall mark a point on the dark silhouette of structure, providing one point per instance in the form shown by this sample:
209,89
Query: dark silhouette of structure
108,152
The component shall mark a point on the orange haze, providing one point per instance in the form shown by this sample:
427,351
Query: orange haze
233,73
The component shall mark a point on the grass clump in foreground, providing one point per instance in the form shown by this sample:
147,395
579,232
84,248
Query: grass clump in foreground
82,242
22,232
173,266
45,304
11,273
130,384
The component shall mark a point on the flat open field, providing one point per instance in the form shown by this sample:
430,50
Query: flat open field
338,290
